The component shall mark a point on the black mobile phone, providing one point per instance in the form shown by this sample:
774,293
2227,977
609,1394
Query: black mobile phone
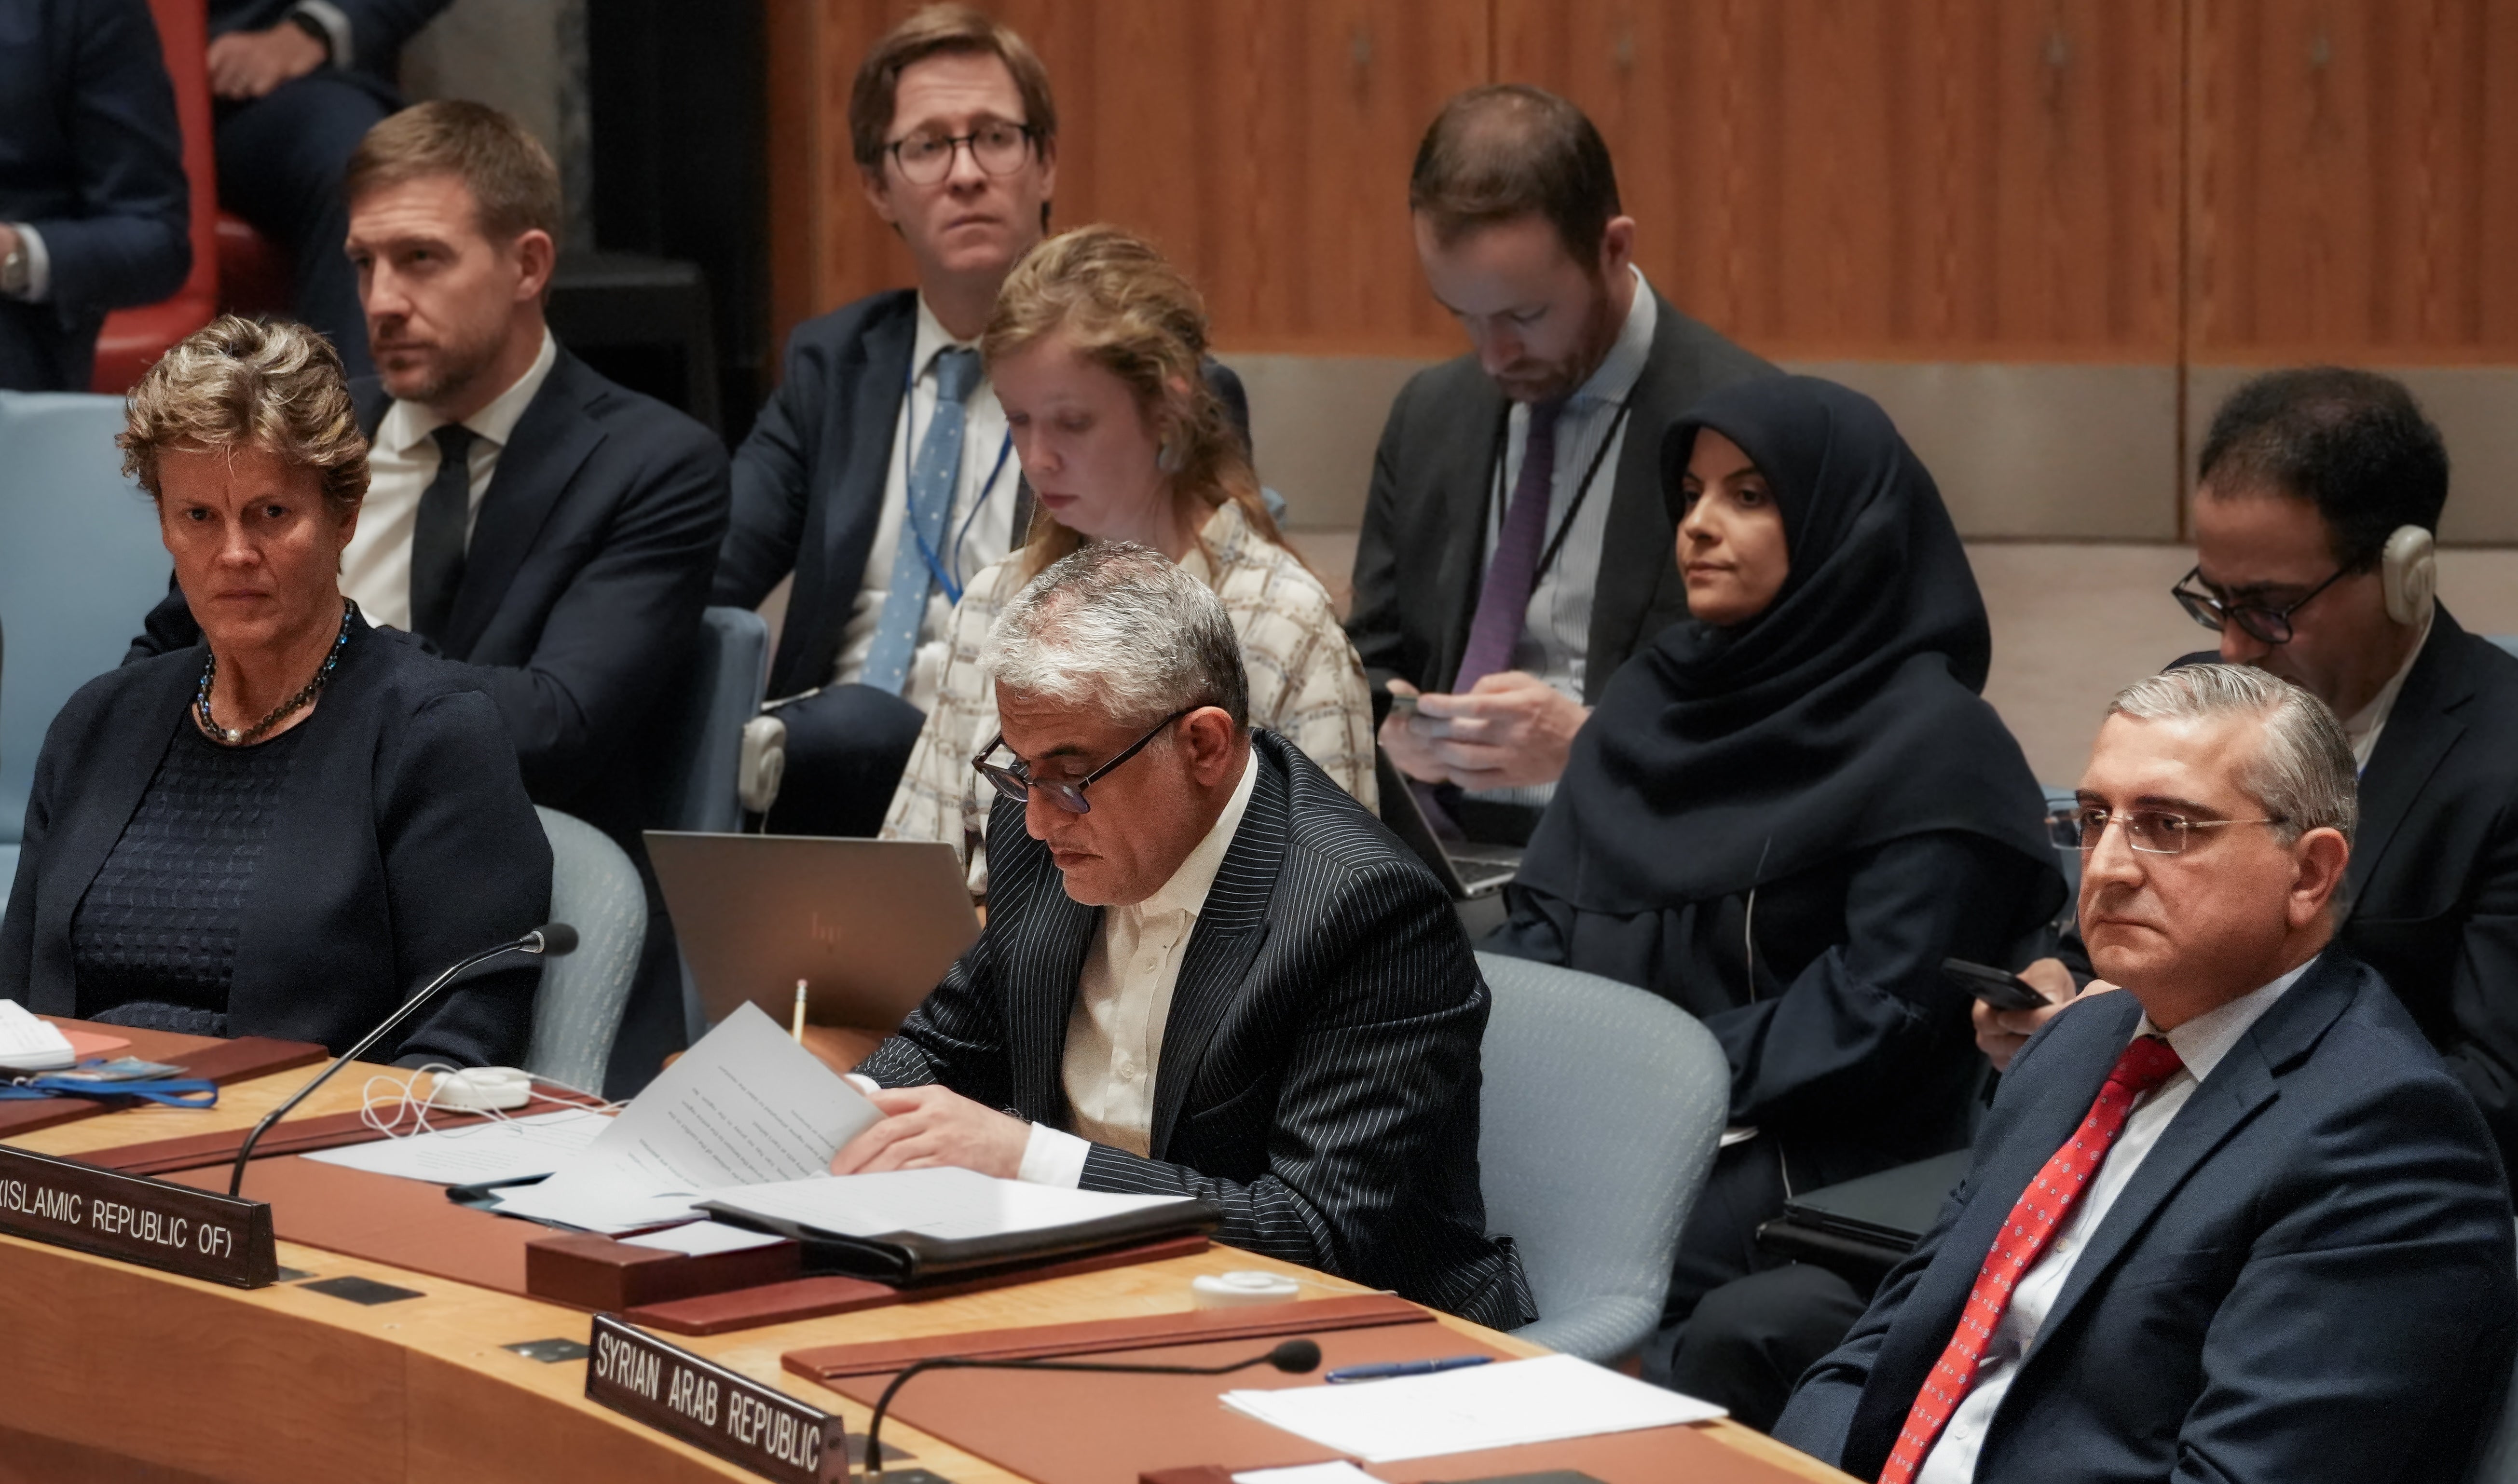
1998,988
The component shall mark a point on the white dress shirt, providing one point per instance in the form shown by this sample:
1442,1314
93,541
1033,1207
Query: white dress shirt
2362,727
401,463
1555,640
2201,1043
1114,1036
978,531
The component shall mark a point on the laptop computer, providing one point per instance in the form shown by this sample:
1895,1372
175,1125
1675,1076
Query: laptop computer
869,925
1469,870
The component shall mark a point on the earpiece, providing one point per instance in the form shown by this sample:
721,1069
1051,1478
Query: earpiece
1167,457
2408,575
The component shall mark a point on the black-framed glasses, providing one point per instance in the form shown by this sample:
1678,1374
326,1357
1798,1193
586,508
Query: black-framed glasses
1018,783
997,147
2208,606
2159,832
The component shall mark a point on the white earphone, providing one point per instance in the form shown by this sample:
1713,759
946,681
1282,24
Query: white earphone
2408,575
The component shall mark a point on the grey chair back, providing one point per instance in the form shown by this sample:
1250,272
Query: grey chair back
80,566
720,689
1602,1109
2507,641
596,890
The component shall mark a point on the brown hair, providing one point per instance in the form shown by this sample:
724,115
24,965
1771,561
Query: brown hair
1497,154
238,383
935,31
1122,307
514,186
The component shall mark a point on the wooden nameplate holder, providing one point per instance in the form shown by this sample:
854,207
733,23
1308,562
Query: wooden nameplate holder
131,1218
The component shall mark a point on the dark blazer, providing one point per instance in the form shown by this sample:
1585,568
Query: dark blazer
377,28
1319,1079
582,586
1420,557
808,480
2310,1276
2432,891
91,158
404,841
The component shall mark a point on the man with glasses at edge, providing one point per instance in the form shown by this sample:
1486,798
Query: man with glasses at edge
2317,495
879,473
1207,970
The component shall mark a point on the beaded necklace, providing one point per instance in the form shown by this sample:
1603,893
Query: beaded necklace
231,737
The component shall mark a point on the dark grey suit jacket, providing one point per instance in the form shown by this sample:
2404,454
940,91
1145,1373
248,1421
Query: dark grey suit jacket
2308,1278
1421,558
1319,1079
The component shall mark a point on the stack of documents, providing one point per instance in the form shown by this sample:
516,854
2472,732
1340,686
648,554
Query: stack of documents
472,1153
1534,1401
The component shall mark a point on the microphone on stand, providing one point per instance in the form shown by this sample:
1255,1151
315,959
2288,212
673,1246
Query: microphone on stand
1294,1357
550,941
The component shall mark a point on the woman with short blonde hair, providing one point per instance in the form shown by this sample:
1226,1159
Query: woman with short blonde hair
1096,350
285,828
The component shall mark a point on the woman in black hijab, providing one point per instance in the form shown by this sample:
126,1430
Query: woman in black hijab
1794,805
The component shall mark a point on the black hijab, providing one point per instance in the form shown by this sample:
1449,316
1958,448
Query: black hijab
1845,716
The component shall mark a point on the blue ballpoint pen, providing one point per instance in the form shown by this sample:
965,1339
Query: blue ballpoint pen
1387,1369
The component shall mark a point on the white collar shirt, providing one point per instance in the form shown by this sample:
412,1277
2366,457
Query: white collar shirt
401,463
979,530
1123,1001
2201,1044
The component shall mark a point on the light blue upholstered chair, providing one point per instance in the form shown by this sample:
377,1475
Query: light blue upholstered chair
702,739
2507,641
1602,1108
596,890
80,567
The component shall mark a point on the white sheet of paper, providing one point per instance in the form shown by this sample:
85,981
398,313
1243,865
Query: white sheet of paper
747,1105
1465,1411
940,1202
476,1152
1339,1473
701,1238
29,1044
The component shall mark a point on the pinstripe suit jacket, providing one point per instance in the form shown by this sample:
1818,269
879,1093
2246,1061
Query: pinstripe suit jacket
1319,1079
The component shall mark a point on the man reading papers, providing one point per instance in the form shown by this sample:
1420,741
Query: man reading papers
1207,970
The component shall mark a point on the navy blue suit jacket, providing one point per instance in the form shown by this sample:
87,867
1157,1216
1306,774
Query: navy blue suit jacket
2310,1276
91,158
403,841
808,480
581,588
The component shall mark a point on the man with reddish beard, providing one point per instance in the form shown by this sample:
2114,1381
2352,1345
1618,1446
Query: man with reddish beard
548,530
1516,546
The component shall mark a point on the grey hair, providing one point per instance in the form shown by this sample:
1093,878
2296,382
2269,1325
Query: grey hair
1120,628
2303,773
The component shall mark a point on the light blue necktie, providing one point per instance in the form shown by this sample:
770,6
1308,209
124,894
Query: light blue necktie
932,476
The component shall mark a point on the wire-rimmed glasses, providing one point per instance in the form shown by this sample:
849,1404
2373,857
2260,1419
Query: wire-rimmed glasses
1018,783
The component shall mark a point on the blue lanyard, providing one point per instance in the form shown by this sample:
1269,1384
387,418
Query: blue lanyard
942,572
172,1092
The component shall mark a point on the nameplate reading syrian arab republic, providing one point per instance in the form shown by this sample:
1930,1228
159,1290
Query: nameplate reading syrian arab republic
739,1420
133,1218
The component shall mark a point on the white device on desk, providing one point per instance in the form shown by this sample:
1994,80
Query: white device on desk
868,924
29,1044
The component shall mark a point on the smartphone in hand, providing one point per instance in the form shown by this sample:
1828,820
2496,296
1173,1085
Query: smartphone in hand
1998,988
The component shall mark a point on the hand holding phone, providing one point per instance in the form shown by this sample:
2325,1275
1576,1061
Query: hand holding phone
1998,988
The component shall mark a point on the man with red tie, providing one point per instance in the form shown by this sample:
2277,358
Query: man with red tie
2239,1224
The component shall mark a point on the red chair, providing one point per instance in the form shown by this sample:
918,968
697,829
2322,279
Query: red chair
254,275
134,338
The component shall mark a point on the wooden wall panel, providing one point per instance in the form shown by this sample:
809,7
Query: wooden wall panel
2355,180
1894,178
1264,143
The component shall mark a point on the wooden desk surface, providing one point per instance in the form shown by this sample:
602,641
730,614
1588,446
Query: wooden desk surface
125,1374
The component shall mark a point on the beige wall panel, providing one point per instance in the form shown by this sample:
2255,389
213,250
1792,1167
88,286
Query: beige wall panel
1315,422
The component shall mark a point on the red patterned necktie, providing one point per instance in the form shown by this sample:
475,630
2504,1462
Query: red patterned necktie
2049,1198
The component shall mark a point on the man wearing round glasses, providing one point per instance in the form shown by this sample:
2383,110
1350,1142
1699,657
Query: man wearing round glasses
2235,1221
1206,971
2316,497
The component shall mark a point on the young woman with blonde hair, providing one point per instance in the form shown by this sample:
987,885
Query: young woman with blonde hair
1094,350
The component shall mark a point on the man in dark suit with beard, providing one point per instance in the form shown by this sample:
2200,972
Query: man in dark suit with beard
1223,979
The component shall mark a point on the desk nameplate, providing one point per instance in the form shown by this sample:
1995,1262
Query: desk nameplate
752,1426
131,1218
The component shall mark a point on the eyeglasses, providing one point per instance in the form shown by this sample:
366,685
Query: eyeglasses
1017,784
2159,832
2208,606
996,147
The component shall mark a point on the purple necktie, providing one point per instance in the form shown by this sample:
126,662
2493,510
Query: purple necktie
1503,603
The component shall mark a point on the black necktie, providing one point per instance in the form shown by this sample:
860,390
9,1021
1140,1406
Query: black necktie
437,538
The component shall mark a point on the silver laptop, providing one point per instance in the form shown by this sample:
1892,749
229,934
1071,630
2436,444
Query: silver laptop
869,925
1469,870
